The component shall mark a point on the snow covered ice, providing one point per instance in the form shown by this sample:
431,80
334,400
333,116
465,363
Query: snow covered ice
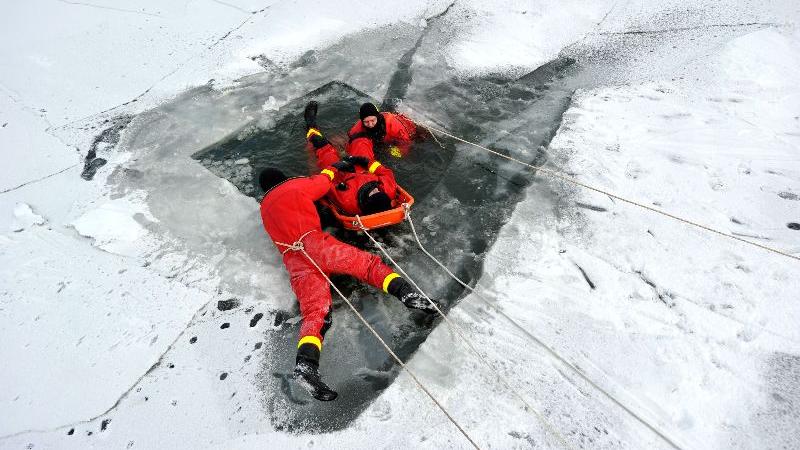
142,306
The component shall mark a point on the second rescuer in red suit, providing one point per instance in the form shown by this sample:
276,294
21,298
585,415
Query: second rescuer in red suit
374,128
291,220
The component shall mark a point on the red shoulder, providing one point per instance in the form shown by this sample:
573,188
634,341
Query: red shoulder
356,128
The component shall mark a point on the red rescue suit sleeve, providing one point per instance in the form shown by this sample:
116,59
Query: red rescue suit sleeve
399,129
357,127
326,156
319,185
362,146
385,177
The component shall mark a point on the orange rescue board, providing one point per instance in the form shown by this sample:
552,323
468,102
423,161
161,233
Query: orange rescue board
377,220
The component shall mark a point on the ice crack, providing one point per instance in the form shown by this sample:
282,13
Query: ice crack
692,28
124,395
232,6
132,11
586,277
663,295
37,180
443,13
173,71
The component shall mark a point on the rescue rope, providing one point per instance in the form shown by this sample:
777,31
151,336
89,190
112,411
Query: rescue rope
298,246
538,341
463,338
563,177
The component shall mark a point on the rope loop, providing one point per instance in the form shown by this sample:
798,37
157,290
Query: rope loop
296,246
360,223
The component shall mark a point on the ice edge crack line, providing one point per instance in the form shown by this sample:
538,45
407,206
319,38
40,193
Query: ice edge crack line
173,71
586,277
233,6
38,179
692,28
131,11
124,394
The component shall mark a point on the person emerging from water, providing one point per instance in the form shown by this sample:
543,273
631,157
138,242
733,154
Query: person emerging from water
394,130
290,219
362,185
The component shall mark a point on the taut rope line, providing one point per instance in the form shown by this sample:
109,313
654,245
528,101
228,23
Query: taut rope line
298,246
463,338
538,341
561,176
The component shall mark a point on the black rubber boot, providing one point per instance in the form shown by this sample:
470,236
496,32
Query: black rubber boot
306,373
406,293
310,114
318,141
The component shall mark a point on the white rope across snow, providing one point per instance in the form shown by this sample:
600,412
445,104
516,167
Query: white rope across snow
298,246
463,338
538,341
563,177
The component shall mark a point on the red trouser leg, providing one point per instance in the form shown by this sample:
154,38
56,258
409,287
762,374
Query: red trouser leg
310,286
313,293
340,258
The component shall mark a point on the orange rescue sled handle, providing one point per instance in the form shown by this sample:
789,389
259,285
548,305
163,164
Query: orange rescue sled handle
378,220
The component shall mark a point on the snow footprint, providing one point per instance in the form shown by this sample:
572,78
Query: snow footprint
633,170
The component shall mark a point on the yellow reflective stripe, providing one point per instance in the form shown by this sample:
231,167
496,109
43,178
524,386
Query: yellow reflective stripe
310,340
328,172
313,131
395,151
388,280
374,166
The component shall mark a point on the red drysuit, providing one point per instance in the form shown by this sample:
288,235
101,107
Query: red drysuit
398,131
344,194
289,215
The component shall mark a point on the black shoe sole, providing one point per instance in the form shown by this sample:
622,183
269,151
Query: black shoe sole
316,388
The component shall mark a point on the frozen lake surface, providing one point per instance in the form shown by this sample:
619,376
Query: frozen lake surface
137,272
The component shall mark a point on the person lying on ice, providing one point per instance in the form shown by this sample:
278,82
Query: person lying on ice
291,221
375,128
362,185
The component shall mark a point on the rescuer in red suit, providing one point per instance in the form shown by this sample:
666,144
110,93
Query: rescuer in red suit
291,221
374,128
365,187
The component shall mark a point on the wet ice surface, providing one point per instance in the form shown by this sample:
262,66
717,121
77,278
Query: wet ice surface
462,200
463,196
202,390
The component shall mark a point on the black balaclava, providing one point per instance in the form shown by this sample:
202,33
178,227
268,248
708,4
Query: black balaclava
368,109
271,177
377,132
374,203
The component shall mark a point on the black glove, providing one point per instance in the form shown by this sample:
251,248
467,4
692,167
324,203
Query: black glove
357,160
318,141
344,166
